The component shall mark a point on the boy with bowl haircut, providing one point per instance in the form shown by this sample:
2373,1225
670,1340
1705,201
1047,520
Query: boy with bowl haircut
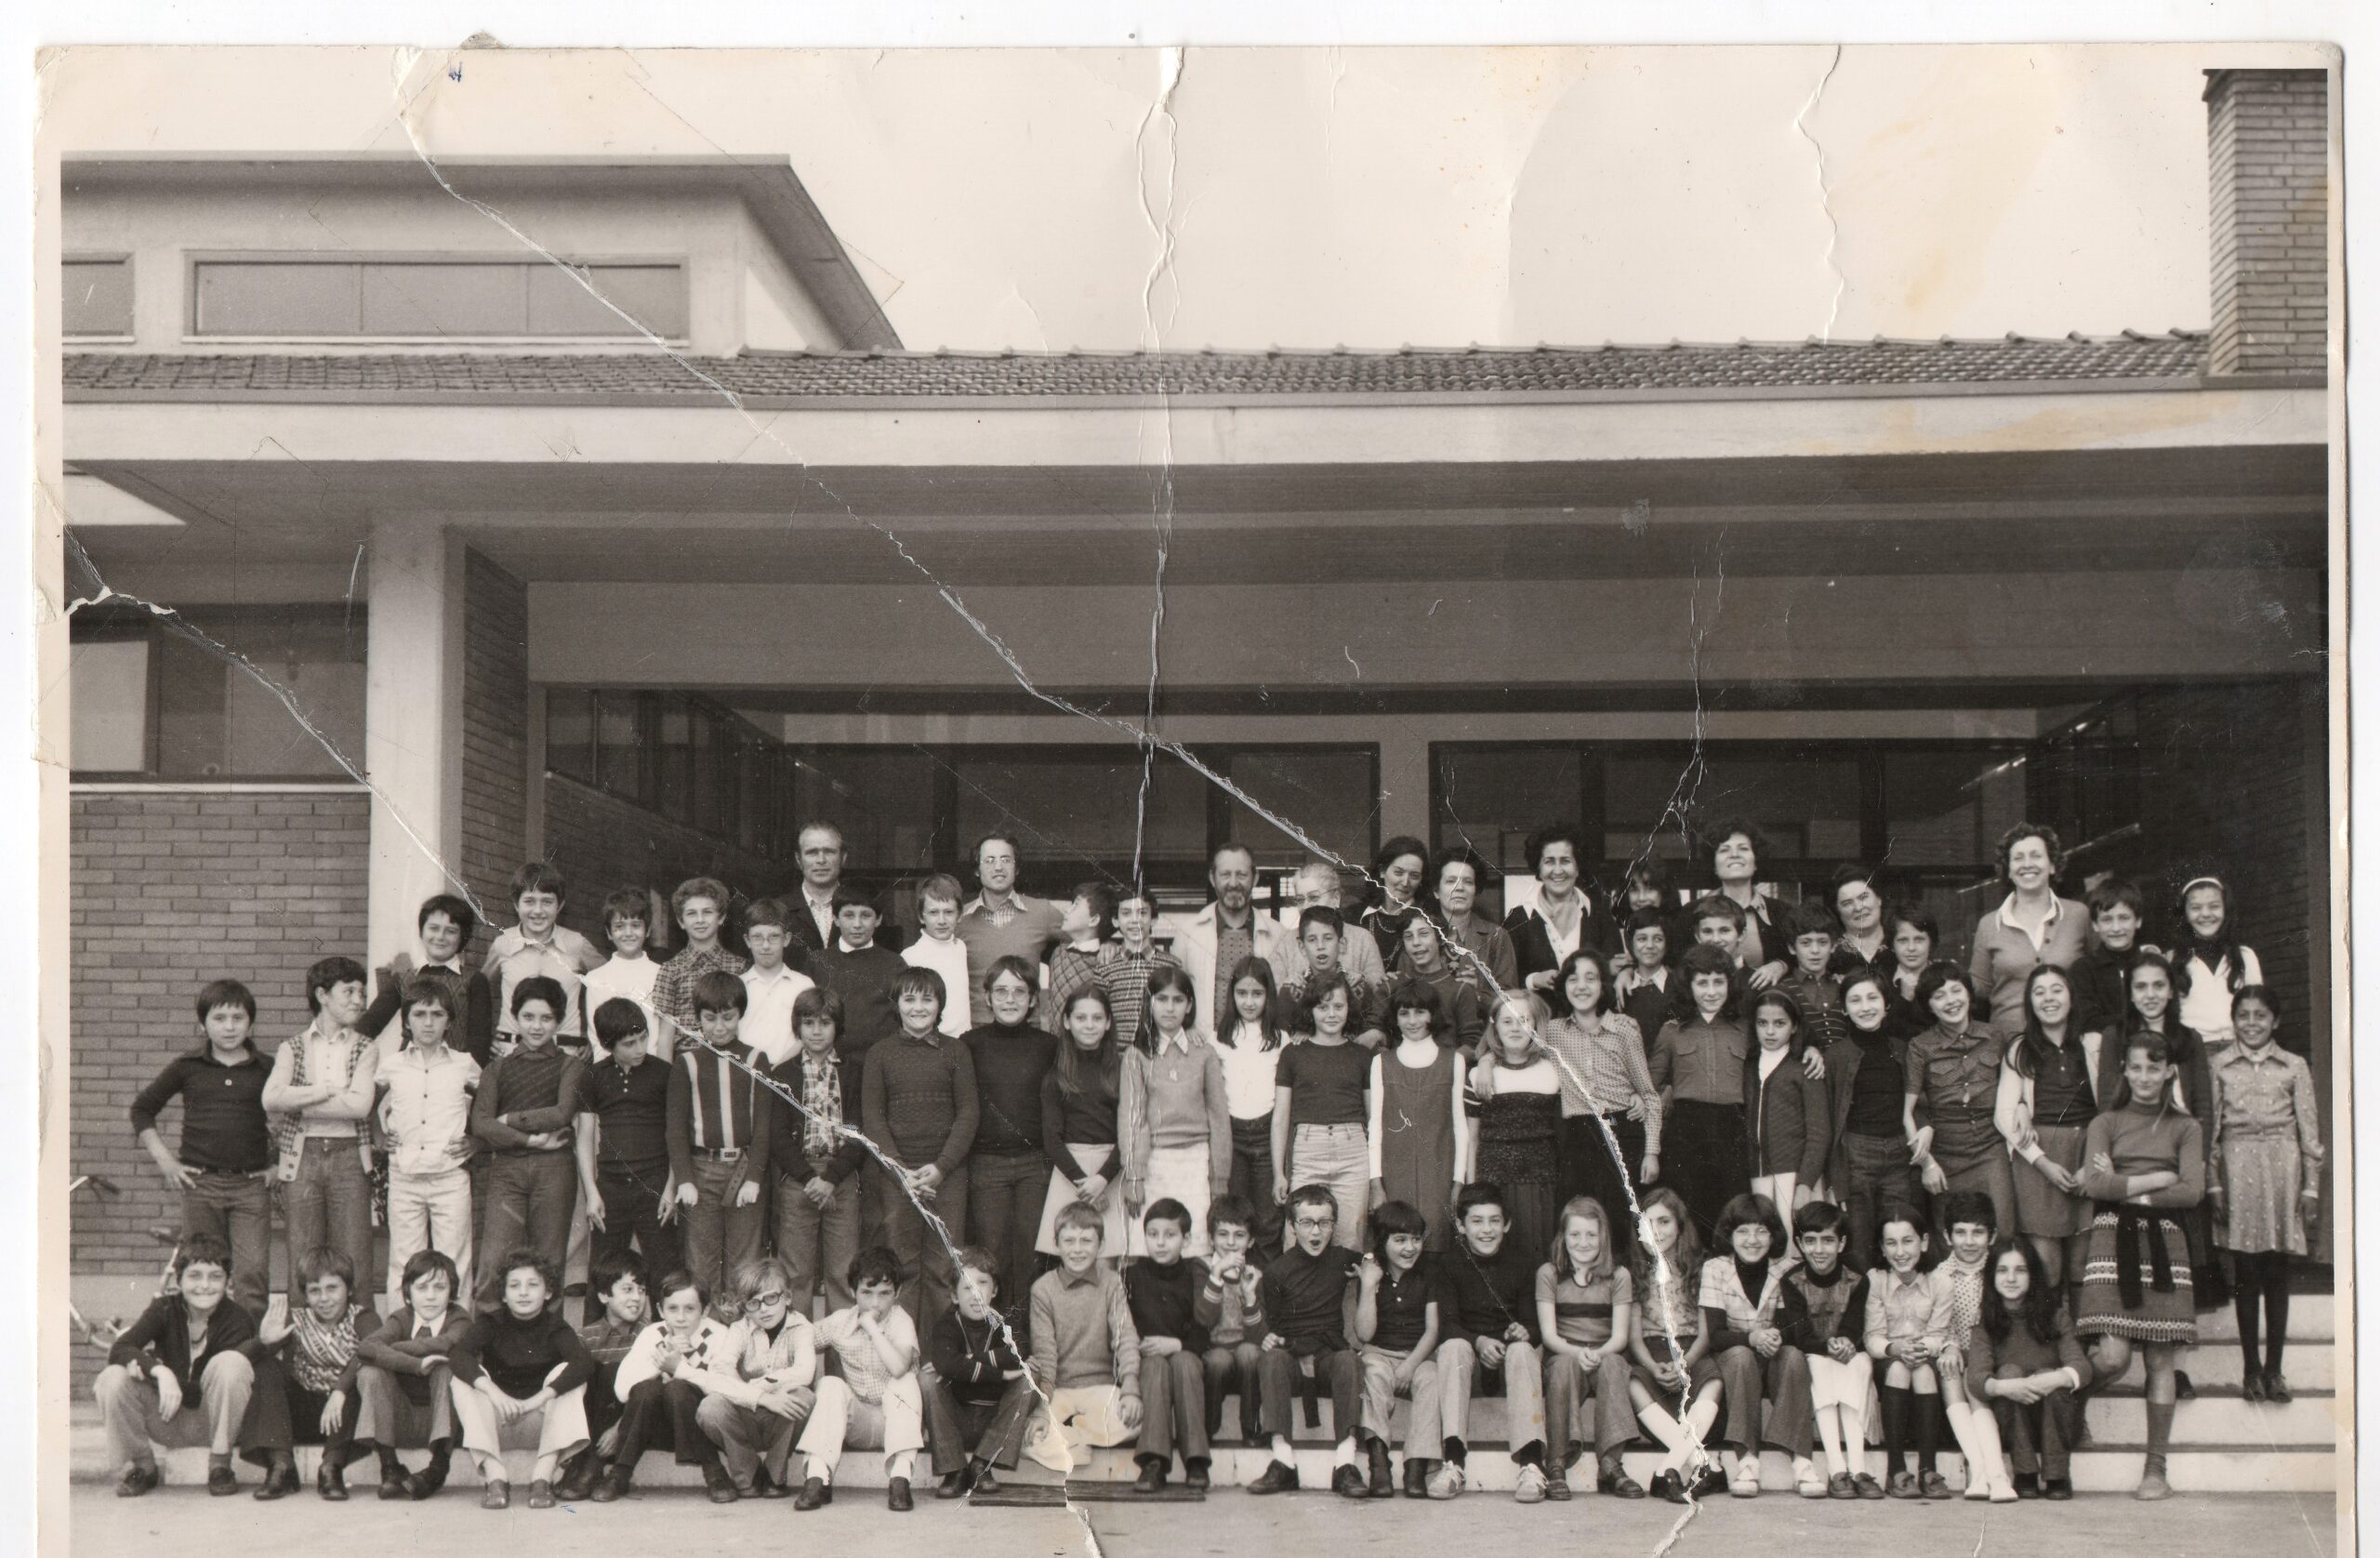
771,984
227,1148
1086,1351
1396,1326
181,1374
875,1400
859,967
320,1086
700,908
1811,982
424,1123
1164,1294
1487,1306
306,1366
978,1398
1309,1299
1644,986
403,1381
539,946
519,1369
628,975
1233,1311
719,1136
524,1111
445,924
622,1118
819,1156
2101,1005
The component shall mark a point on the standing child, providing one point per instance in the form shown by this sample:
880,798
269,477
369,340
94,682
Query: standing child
939,951
861,970
1907,1328
1518,1092
623,1124
1235,1295
1250,1045
2101,1002
1008,1168
1128,963
1489,1309
1073,964
1742,1295
1674,1382
2155,992
523,1110
320,1086
1951,1095
1320,1100
1086,1353
1173,1116
1645,984
2211,966
720,1130
1322,950
1966,1215
630,972
1309,1302
1788,1111
819,1156
700,908
1867,1165
1612,1112
538,946
446,923
771,984
2147,1168
1826,1304
2025,1365
1698,1064
1812,983
978,1398
404,1384
1163,1293
918,1104
1079,1118
521,1374
2049,1091
226,1149
306,1363
2268,1182
1586,1309
1397,1332
875,1400
425,1117
181,1374
1419,1132
1915,935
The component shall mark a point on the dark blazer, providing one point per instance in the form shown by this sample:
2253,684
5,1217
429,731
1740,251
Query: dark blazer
1533,948
1788,1118
1842,1058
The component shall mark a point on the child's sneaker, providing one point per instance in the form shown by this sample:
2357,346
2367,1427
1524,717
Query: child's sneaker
1807,1481
1745,1484
1528,1487
1447,1482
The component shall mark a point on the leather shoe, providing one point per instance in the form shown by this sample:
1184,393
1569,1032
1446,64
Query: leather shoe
1276,1478
139,1478
720,1486
221,1481
279,1479
396,1484
496,1496
815,1495
986,1482
1384,1481
1348,1482
330,1483
896,1495
1195,1477
1614,1481
953,1484
541,1495
429,1479
768,1487
1152,1477
612,1486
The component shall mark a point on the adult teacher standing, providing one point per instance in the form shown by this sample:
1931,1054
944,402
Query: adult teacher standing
1003,922
1564,918
2032,926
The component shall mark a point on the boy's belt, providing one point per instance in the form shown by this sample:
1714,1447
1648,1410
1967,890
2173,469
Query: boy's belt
721,1155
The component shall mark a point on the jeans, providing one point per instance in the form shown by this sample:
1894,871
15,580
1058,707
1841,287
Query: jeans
1422,1441
928,1276
1876,1175
817,1244
721,1235
631,1216
429,1211
529,1197
329,1202
237,1209
1234,1369
1004,1196
1337,1157
986,1430
1523,1380
1571,1392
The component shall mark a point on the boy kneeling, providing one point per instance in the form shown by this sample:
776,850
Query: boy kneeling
188,1343
1489,1307
1086,1353
875,1400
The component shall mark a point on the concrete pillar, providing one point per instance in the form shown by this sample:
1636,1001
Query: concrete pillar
1405,780
413,724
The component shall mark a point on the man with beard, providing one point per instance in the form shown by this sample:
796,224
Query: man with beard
1211,943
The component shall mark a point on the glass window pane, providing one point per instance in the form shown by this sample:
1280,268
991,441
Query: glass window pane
676,752
1077,813
654,296
1326,796
443,299
1492,798
217,719
714,772
570,734
1806,802
251,297
619,752
1948,808
110,692
97,299
755,802
880,797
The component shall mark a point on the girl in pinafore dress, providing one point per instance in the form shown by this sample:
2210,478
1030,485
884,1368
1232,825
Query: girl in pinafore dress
2266,1181
2146,1166
1518,1089
1420,1137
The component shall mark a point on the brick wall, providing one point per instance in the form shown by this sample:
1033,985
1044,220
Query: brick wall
2269,221
495,724
603,844
170,890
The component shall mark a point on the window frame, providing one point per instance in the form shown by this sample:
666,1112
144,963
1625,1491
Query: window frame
193,336
131,264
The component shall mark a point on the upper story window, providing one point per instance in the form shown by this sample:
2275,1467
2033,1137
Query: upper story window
97,299
434,297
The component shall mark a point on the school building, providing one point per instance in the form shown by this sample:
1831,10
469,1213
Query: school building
503,579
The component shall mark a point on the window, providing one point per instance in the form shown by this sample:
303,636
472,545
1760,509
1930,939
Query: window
154,698
311,296
97,297
1078,813
1329,795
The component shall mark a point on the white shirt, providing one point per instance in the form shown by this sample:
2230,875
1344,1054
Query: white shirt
426,1108
768,1010
1248,1074
628,979
821,915
2207,1005
948,960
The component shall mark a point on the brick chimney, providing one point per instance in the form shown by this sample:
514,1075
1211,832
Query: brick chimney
2268,136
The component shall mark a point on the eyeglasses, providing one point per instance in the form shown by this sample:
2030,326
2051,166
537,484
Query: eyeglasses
1318,1224
762,1300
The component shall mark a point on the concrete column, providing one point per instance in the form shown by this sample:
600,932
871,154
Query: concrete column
413,724
1405,779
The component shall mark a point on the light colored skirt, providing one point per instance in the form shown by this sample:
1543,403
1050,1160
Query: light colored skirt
1110,1204
1185,1175
2261,1184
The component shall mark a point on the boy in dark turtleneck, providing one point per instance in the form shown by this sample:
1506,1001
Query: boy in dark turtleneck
1007,1173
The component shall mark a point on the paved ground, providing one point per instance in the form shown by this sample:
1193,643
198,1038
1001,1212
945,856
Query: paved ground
1229,1525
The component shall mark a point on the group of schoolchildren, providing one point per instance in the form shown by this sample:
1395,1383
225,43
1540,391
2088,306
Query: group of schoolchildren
1164,1165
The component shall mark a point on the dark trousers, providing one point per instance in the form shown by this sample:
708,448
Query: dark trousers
631,1215
603,1402
1876,1176
986,1430
1236,1369
1251,1178
282,1413
1173,1406
659,1415
2039,1438
1585,1164
721,1235
1004,1196
530,1196
927,1277
237,1209
1703,1159
1339,1368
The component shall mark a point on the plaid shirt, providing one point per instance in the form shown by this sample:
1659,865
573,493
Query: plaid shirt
673,987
